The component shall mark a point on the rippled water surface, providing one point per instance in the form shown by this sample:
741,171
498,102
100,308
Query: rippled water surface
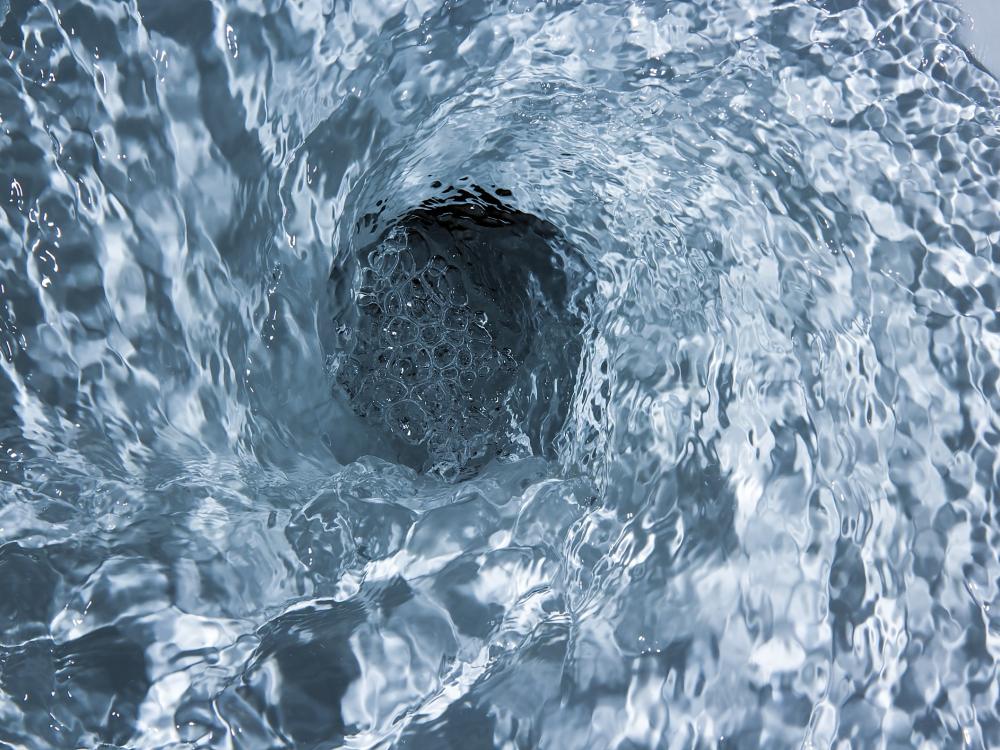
470,374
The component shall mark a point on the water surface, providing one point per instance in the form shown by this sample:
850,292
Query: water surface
740,488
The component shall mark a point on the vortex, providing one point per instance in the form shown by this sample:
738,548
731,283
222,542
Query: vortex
498,374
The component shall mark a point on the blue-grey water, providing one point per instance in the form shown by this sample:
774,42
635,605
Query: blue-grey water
473,374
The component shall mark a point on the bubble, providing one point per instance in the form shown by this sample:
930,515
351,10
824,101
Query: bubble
418,292
423,311
401,330
405,369
430,334
393,304
433,398
457,319
422,361
383,261
444,354
387,391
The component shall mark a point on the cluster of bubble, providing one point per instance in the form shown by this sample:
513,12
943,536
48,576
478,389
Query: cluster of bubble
424,362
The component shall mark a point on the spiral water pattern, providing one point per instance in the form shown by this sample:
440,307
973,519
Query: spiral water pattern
704,452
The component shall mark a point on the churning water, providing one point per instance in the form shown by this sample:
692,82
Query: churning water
470,374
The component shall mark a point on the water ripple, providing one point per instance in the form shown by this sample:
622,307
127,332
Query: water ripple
767,516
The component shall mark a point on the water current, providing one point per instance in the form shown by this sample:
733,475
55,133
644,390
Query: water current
474,374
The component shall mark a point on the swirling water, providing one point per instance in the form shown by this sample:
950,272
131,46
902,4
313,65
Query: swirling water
765,511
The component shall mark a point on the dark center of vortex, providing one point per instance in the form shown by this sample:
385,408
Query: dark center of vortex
450,301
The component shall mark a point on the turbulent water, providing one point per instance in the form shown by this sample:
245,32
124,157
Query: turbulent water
700,448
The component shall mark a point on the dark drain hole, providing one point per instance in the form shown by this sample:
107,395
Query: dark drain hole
460,343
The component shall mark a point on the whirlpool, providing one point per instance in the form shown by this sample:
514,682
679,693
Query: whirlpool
499,374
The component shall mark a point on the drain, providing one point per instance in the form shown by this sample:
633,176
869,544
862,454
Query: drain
440,349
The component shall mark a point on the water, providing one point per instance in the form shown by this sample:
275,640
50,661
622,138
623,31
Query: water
734,484
459,335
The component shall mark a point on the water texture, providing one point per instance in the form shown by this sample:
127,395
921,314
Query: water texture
734,484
